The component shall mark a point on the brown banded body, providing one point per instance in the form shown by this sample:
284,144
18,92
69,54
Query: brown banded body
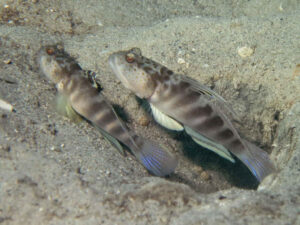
181,103
86,100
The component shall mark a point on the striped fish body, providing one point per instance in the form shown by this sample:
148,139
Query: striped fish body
85,99
89,103
198,114
181,103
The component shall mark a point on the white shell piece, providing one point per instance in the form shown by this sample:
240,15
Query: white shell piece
6,106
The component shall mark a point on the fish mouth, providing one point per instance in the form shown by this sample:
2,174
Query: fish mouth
112,61
117,69
114,65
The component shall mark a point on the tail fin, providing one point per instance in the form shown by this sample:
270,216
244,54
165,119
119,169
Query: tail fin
257,161
157,160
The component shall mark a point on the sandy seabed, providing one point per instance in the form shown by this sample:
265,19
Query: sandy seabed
54,171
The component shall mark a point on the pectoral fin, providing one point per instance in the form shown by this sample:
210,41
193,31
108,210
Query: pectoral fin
210,145
165,120
64,108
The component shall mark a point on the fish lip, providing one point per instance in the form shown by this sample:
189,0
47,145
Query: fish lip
111,59
116,69
112,62
113,65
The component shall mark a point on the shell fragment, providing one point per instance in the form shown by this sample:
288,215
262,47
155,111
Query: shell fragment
6,106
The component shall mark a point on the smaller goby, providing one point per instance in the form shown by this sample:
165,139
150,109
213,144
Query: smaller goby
86,100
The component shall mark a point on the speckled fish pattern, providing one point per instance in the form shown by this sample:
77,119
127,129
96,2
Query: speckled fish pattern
181,103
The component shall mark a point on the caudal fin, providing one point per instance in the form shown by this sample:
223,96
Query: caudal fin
157,160
257,161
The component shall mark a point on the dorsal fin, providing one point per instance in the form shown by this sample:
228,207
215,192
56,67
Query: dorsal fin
198,87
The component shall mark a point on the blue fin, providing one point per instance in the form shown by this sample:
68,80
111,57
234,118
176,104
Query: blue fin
157,160
257,161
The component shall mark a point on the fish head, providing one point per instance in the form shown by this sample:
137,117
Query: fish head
133,70
55,63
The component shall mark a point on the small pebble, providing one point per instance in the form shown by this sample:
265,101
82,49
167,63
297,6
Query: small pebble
296,71
143,121
180,61
99,23
55,149
222,197
6,106
198,169
245,51
7,61
204,175
5,148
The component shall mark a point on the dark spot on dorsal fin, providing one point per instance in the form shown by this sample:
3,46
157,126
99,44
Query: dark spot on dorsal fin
165,71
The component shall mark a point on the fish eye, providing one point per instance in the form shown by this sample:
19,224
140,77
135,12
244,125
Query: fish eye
130,57
50,51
